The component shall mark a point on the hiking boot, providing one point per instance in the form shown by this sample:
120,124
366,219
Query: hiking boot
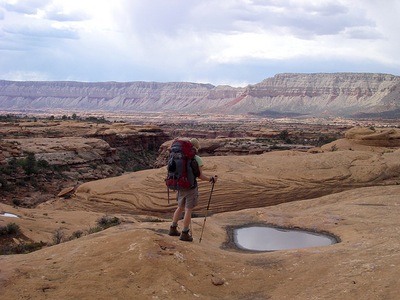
185,236
173,231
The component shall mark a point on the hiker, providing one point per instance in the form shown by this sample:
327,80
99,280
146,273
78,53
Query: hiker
188,199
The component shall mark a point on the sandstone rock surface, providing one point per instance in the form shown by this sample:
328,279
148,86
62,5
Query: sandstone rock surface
352,194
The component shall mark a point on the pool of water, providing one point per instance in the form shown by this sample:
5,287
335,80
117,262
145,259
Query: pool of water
10,215
263,238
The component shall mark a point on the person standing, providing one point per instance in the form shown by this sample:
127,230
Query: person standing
188,200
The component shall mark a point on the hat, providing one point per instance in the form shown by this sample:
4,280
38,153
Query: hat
195,143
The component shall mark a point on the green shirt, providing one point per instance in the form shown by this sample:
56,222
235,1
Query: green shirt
199,160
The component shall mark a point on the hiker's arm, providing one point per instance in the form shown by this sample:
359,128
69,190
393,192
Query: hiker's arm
207,177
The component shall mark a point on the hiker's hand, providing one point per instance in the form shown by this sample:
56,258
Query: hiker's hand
213,179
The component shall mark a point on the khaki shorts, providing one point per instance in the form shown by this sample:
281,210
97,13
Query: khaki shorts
188,198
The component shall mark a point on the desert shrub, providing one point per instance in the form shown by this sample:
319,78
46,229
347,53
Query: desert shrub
43,164
29,163
10,229
13,229
20,248
325,139
100,120
107,221
16,202
284,136
95,229
12,164
3,231
76,234
58,236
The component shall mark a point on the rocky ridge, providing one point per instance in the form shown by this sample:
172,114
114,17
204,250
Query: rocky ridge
68,153
337,94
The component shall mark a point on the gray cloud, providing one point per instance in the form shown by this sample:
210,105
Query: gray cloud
26,7
363,33
198,40
298,18
304,20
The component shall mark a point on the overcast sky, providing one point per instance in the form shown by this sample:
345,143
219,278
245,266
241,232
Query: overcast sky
235,42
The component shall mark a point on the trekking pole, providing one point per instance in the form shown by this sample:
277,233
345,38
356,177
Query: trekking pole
168,194
208,206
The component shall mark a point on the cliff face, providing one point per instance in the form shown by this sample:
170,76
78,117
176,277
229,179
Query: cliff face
339,94
74,152
134,96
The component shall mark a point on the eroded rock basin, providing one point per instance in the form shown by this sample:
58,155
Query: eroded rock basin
269,238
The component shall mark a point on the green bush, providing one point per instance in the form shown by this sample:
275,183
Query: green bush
21,248
29,163
10,229
43,164
107,221
76,234
13,229
95,229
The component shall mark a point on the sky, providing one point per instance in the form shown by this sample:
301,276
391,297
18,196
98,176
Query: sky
233,42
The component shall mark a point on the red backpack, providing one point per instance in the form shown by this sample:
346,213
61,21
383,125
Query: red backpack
182,166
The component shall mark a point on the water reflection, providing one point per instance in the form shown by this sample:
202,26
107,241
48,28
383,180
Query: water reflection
262,238
8,215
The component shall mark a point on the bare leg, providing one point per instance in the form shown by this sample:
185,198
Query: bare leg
177,214
187,218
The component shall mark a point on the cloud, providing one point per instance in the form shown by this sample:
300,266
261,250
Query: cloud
26,76
39,31
62,16
25,7
226,41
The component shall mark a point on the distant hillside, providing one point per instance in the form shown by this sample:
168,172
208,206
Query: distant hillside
338,94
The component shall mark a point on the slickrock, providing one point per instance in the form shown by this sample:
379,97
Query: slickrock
252,180
352,194
138,260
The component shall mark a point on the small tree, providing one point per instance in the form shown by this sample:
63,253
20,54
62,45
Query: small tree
29,164
284,136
